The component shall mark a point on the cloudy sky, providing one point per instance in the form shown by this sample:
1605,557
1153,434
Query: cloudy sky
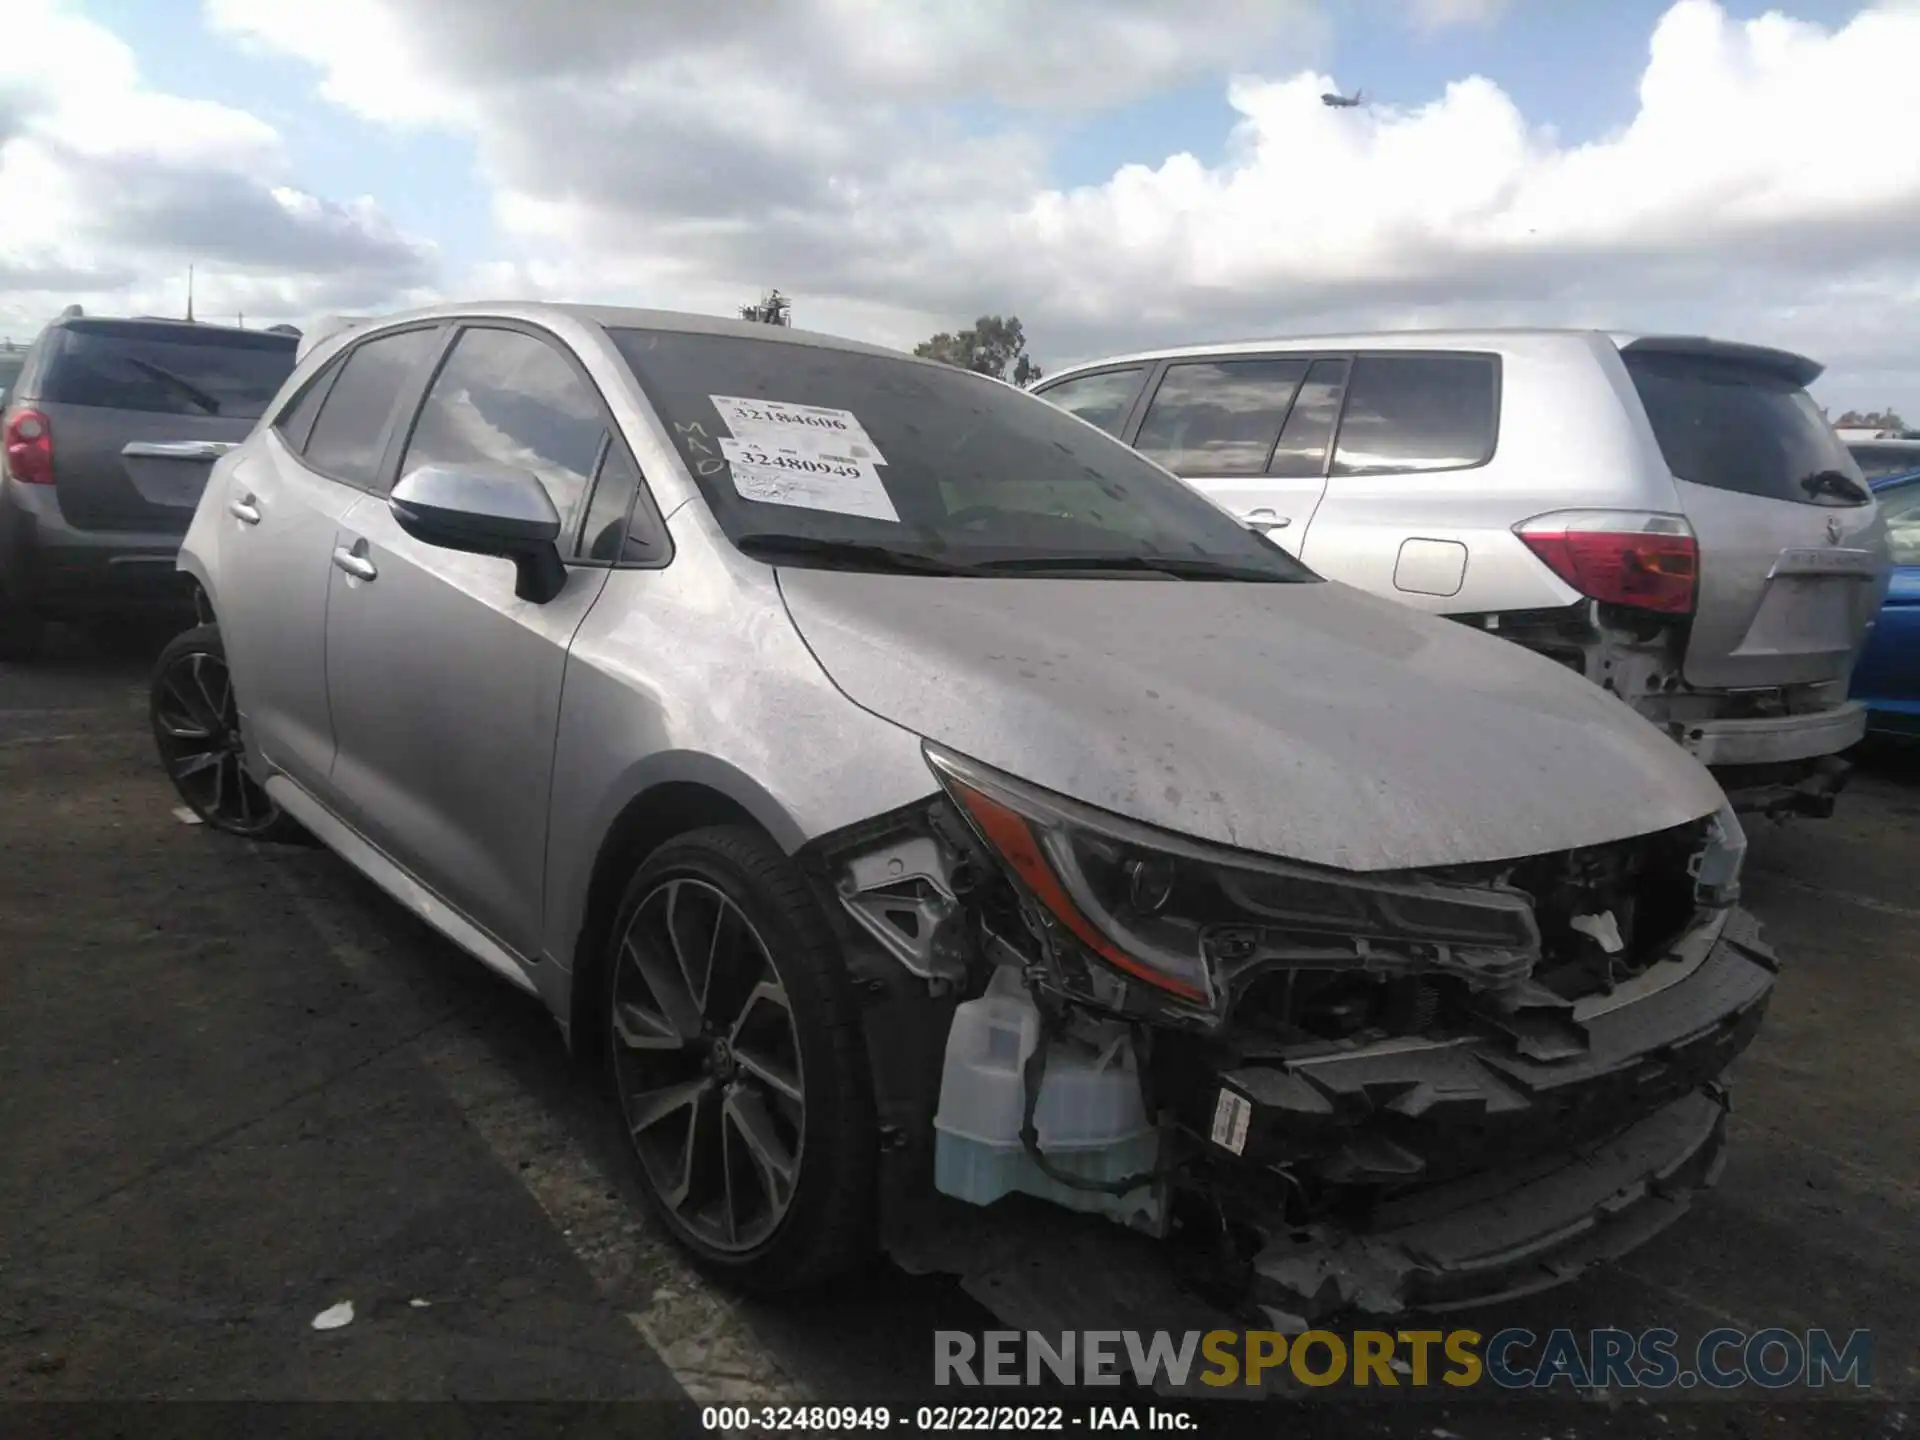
1116,172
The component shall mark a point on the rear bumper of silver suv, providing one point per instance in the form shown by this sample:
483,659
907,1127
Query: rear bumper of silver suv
1779,764
1776,739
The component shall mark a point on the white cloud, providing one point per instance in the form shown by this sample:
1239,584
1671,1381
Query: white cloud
688,153
1431,15
109,189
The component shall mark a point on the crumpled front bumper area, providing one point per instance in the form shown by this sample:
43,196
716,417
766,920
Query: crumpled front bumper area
1423,1111
1497,1237
1493,1175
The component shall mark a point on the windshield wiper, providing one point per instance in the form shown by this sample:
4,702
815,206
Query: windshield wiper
854,554
1182,566
179,382
1836,483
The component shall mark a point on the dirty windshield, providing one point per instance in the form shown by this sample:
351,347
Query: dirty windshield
168,369
811,455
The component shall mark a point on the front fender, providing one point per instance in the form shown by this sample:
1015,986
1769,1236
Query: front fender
573,848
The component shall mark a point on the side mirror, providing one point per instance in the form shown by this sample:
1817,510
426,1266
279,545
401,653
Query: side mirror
499,512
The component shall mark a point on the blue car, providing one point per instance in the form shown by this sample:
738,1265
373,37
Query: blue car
1887,677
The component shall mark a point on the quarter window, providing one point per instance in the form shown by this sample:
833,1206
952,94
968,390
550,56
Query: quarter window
296,419
504,399
1220,417
1418,412
349,438
610,536
1102,399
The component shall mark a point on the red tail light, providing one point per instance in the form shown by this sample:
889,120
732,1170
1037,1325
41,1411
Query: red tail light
1621,557
29,442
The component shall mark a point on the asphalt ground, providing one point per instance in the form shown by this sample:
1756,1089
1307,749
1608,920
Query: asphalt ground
238,1086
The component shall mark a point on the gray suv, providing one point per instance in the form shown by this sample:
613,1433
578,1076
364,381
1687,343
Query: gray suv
110,429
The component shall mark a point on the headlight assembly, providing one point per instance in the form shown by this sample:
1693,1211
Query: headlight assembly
1163,909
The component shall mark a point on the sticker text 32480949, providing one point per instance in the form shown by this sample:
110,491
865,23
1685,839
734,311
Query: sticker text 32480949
809,456
814,479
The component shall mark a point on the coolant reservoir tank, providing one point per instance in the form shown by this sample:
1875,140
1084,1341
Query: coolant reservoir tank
1091,1119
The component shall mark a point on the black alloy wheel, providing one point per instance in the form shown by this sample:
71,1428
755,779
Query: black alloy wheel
733,1046
196,724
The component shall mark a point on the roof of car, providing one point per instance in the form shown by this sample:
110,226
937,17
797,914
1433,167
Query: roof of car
1514,339
155,322
621,317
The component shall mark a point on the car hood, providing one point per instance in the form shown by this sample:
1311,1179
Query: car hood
1309,721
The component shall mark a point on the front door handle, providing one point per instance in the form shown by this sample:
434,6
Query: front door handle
242,508
358,566
1264,519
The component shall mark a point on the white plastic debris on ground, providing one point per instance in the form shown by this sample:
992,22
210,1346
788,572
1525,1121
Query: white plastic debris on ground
334,1316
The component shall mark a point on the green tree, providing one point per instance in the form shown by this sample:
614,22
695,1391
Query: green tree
772,308
993,346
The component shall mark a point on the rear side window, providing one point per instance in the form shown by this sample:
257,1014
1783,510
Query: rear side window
1741,427
348,437
1220,417
1102,399
1418,412
167,369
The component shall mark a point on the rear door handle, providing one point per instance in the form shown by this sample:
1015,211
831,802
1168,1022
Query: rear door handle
242,508
1265,519
176,449
358,566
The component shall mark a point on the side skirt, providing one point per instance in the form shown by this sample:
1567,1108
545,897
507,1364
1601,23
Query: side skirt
360,853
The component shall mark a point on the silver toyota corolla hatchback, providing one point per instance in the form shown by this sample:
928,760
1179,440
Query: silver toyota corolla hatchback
912,796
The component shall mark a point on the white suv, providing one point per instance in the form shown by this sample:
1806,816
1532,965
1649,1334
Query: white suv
1670,516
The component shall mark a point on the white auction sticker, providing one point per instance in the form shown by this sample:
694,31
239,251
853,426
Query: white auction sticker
1232,1113
814,479
803,427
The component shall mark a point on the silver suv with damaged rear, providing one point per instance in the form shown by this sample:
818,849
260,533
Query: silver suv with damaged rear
1670,516
911,796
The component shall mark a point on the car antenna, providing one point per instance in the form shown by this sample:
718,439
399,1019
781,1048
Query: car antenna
189,294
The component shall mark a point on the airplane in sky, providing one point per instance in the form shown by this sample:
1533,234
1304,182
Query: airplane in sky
1344,102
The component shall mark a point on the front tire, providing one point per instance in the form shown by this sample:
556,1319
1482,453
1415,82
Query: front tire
733,1045
196,725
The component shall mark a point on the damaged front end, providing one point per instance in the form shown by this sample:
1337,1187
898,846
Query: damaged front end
1327,1092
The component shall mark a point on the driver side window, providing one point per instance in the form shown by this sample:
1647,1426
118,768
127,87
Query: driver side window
505,399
